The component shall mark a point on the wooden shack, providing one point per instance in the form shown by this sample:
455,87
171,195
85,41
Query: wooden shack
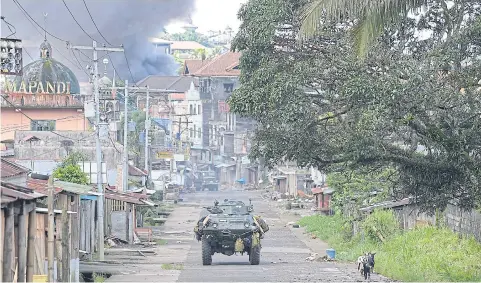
323,199
68,217
18,232
120,213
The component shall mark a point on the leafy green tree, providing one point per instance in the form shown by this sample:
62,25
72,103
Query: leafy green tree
70,171
413,105
188,35
135,148
357,188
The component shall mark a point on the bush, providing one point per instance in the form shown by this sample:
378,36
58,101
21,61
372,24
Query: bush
380,224
423,254
430,254
328,229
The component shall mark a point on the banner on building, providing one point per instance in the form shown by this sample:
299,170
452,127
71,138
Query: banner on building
223,106
165,155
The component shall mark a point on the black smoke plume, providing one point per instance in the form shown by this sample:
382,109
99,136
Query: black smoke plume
127,22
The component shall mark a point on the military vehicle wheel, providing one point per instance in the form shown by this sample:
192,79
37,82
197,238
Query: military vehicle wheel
255,256
206,252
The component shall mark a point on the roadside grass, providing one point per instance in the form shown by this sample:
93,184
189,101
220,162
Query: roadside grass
161,242
422,254
172,266
98,277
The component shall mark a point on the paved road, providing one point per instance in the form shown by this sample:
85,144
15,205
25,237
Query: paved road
283,256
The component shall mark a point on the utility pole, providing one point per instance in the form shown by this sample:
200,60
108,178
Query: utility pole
51,231
125,165
100,189
147,128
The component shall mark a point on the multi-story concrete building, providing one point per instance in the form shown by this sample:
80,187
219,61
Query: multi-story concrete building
224,134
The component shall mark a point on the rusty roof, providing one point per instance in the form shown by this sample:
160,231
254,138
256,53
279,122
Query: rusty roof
11,169
192,66
11,192
127,197
41,186
134,171
224,65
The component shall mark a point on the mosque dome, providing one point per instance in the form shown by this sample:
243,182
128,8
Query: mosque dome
105,82
47,75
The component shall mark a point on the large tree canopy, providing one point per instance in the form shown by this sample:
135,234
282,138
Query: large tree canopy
412,105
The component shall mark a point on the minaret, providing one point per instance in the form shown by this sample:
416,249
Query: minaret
45,47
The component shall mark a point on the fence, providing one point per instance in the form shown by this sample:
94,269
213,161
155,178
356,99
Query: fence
463,222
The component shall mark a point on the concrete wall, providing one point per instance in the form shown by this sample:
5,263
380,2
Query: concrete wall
120,224
52,147
467,223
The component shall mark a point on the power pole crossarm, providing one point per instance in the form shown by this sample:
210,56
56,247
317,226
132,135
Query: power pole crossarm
109,49
100,188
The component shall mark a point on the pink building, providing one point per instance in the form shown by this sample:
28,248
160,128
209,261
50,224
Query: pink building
45,98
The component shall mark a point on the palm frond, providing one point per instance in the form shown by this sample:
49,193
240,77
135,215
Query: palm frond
373,16
377,17
312,12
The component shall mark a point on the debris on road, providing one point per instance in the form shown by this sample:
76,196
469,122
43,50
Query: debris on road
325,258
115,241
312,257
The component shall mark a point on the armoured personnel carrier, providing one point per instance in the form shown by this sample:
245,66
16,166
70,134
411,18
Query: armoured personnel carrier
231,228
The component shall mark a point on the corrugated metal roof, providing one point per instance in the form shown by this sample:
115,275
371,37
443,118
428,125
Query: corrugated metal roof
127,197
73,188
223,65
11,192
11,169
177,84
134,171
41,186
387,204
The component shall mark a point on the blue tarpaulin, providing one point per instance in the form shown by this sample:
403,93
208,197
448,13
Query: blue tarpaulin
241,181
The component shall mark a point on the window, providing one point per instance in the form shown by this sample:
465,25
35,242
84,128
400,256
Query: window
199,134
43,125
191,109
195,131
198,109
228,88
191,133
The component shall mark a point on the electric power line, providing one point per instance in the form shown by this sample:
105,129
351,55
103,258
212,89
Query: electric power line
35,24
96,24
15,127
27,14
10,26
32,120
130,71
80,65
80,26
113,143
